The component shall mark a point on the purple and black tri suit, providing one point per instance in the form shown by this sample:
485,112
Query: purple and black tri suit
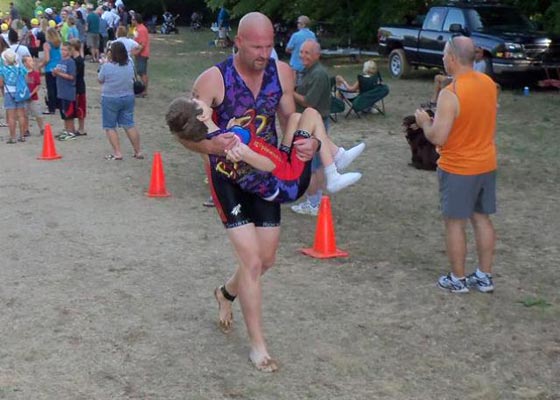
286,183
235,206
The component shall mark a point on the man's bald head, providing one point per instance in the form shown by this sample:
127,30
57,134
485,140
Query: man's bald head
254,41
253,23
309,53
312,46
463,49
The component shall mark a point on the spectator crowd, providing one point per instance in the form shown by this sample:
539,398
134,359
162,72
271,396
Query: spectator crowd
50,48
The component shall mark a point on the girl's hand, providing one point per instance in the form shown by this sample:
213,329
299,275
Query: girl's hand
237,152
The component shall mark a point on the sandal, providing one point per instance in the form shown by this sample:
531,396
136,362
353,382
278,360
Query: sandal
21,139
267,364
78,133
224,325
138,156
11,141
112,157
3,124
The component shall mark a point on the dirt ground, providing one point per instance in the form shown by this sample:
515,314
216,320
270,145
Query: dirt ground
107,294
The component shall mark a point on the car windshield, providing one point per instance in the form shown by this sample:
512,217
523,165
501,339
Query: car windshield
502,18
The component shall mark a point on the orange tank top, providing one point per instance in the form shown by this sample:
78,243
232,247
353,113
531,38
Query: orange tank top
470,147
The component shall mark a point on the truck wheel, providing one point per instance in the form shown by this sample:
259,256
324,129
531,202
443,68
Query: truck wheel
398,64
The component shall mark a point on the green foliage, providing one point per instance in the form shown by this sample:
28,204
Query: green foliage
357,21
551,18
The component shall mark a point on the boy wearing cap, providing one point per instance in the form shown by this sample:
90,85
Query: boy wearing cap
33,41
4,28
39,10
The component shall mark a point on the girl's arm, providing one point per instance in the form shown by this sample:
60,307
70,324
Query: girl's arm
47,56
242,152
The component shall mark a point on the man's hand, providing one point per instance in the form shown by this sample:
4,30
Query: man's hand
422,118
219,144
305,148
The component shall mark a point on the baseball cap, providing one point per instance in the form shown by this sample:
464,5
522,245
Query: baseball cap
48,10
4,27
34,21
52,23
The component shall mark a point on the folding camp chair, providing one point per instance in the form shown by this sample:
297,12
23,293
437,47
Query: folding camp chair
337,105
372,92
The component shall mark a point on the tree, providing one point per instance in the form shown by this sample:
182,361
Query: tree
356,21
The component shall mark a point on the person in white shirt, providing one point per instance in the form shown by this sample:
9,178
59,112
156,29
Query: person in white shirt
131,45
18,48
112,19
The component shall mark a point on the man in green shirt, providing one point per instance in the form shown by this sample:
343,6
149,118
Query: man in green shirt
315,92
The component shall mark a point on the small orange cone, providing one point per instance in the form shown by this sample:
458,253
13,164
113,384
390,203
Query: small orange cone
157,183
49,151
325,241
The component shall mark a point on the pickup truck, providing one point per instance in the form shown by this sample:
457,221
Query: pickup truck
509,41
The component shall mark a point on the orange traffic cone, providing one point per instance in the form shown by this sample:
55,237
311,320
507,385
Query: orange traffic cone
157,183
325,241
49,151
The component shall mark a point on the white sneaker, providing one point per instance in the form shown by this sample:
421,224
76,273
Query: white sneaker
305,208
340,181
347,156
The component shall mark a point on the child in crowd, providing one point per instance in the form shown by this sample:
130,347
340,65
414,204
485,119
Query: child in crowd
273,174
15,110
72,29
81,103
33,105
65,73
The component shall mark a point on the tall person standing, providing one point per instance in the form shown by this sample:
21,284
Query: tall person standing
294,45
463,128
247,83
143,39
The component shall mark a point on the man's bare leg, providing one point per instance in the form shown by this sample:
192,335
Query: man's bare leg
485,236
256,252
456,242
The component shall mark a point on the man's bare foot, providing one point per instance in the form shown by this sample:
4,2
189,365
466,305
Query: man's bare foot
225,321
263,362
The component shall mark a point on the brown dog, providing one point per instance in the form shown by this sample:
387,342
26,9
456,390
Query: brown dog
424,155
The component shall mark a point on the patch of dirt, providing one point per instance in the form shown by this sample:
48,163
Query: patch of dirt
107,294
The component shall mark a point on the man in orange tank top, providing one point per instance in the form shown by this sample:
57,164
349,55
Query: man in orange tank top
463,130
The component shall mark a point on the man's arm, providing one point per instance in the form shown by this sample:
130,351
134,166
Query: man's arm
209,88
304,148
287,106
437,131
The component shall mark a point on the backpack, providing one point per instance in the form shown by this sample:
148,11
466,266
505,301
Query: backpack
29,40
22,89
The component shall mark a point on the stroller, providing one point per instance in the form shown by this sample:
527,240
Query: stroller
169,25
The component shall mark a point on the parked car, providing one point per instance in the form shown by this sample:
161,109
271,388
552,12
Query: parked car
510,42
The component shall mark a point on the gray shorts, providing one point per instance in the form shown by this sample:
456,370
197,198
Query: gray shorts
141,65
463,195
93,40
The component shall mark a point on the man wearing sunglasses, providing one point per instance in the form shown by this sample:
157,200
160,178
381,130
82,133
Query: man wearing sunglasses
463,129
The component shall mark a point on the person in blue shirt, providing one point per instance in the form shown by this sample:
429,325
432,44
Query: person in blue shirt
117,100
15,110
294,45
65,73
